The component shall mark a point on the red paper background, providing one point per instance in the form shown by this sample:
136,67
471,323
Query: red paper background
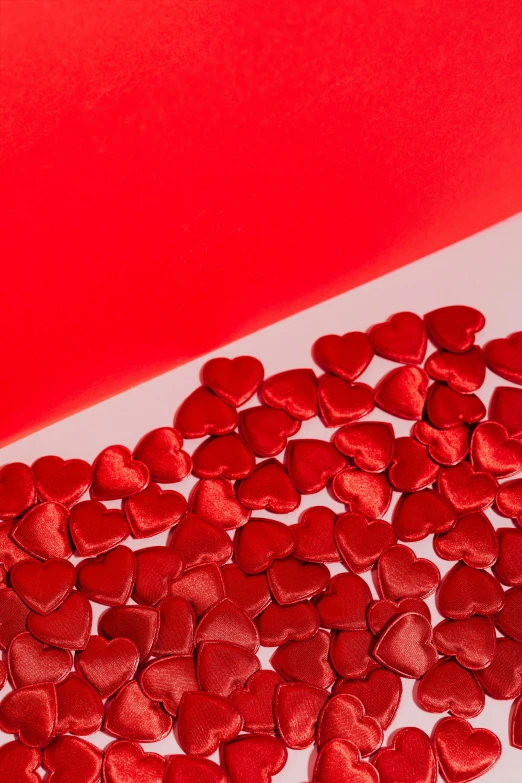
179,173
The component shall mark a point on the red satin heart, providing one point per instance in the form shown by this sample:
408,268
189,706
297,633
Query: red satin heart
187,769
167,679
382,611
260,542
63,481
108,664
294,622
402,338
10,553
506,408
343,717
31,713
30,662
234,380
117,475
140,624
454,327
463,372
402,392
465,591
297,707
369,443
205,721
380,693
509,500
68,627
95,529
343,605
368,494
447,408
43,586
43,531
176,627
312,463
340,760
508,567
417,515
109,578
411,468
504,357
291,581
154,510
13,617
201,586
248,591
471,641
401,574
161,451
269,487
516,725
222,667
17,490
449,687
156,568
350,654
502,679
473,540
466,489
449,447
361,541
509,619
493,451
341,402
80,708
72,760
306,661
464,753
315,536
410,757
405,646
294,391
228,456
347,356
253,759
226,622
215,500
204,413
266,430
133,716
198,542
125,762
19,764
255,702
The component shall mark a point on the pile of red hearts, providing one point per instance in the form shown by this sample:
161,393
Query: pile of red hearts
184,622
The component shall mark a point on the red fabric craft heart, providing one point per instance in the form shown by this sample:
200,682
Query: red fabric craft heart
380,693
109,578
31,713
266,429
294,622
205,721
154,510
140,624
382,611
226,622
361,541
464,753
253,759
402,392
471,641
260,542
402,338
506,408
17,490
234,380
465,591
249,591
255,702
43,586
463,372
95,529
215,500
363,493
343,717
306,661
449,447
340,760
449,687
417,515
291,581
161,451
454,327
344,603
369,443
80,708
126,762
187,769
509,619
108,664
493,451
269,487
473,540
134,716
350,654
502,679
509,499
297,707
341,402
198,542
294,391
228,456
64,481
117,474
401,574
222,667
156,568
13,617
204,413
516,725
410,757
68,627
314,536
312,463
504,357
447,408
347,356
72,760
202,586
30,662
466,489
43,531
405,646
177,624
508,567
10,553
411,468
19,764
167,679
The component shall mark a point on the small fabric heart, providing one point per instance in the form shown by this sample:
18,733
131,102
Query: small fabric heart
10,553
266,430
382,611
402,392
473,540
64,481
255,701
134,716
340,760
43,586
504,357
509,619
347,356
294,391
234,380
411,468
454,327
315,536
418,514
508,567
344,603
369,443
198,542
222,667
17,490
344,717
187,769
249,591
350,654
156,568
161,451
463,372
506,408
31,713
226,622
401,574
140,624
448,447
205,721
30,662
297,707
68,627
464,753
509,499
260,542
215,500
502,679
177,623
123,759
447,408
471,641
493,451
466,591
379,692
361,541
312,463
253,759
227,456
80,708
202,586
117,474
43,531
402,338
449,687
405,646
19,763
204,413
95,529
410,757
167,679
363,493
154,510
108,664
72,760
306,661
109,578
291,581
294,622
13,617
269,487
341,402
